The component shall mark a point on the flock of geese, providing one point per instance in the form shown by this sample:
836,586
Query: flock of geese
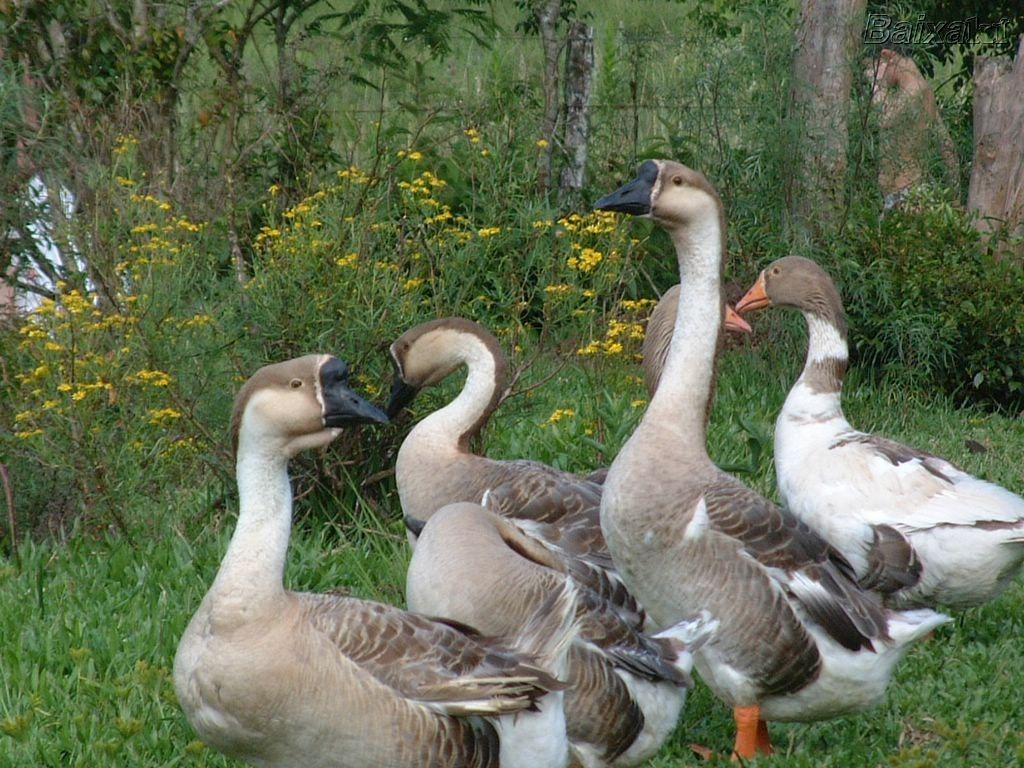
567,612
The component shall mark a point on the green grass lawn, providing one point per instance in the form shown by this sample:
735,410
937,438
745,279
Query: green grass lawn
89,628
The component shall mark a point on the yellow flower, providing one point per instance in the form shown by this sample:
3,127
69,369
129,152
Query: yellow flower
273,189
412,283
591,349
152,377
541,143
125,182
636,306
558,414
612,348
485,153
28,434
79,395
559,289
160,417
473,135
488,231
586,261
638,403
64,387
348,260
415,156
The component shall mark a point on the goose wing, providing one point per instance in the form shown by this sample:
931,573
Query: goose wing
541,544
913,491
444,666
604,630
808,569
535,491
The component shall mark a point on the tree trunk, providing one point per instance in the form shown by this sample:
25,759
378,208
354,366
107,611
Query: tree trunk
997,178
547,20
579,74
826,44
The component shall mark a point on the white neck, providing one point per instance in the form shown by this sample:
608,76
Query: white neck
816,397
824,341
254,563
684,391
444,428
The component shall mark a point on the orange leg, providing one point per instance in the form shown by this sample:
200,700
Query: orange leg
747,719
764,743
751,733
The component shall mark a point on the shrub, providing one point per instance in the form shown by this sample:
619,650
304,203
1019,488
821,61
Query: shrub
927,299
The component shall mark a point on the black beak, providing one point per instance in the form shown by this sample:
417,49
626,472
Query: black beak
402,393
635,197
342,406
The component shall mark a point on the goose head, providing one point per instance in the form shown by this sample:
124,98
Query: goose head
298,405
794,281
668,192
428,353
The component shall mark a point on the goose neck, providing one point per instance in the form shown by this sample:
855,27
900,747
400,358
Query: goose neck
827,358
684,393
254,563
452,427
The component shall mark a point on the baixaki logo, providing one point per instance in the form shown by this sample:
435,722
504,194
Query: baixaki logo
882,28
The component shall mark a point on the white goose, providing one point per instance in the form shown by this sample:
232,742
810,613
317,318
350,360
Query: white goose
913,526
279,678
797,639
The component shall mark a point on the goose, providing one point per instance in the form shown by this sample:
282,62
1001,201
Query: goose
280,678
797,639
659,334
625,689
913,525
435,465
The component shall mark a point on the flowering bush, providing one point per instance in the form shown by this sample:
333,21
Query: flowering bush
122,394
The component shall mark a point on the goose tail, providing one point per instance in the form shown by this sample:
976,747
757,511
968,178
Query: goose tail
686,637
907,626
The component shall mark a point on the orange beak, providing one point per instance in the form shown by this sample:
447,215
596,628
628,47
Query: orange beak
735,323
755,298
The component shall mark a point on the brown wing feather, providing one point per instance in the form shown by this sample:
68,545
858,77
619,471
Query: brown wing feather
814,573
543,545
429,661
535,491
599,709
892,562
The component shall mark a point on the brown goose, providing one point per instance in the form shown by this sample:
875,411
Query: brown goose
435,466
279,678
625,689
912,525
797,639
659,334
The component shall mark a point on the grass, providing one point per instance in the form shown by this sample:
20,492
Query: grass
90,627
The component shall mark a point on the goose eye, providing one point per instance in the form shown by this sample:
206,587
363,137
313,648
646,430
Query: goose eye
776,271
295,383
677,180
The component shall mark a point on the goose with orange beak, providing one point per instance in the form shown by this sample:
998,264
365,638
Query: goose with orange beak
914,527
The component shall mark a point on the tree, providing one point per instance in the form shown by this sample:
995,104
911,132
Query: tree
826,46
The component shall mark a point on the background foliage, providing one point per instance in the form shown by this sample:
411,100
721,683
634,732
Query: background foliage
240,182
